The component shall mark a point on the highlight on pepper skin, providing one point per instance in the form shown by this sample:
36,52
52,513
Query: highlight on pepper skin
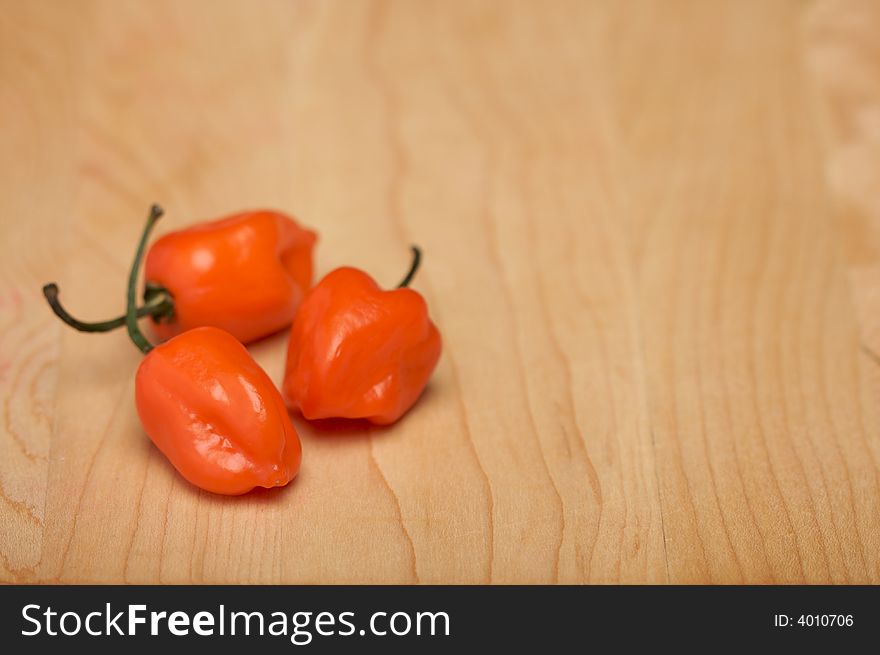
357,351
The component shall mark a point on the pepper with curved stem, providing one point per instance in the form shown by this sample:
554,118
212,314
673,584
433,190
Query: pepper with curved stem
245,273
358,351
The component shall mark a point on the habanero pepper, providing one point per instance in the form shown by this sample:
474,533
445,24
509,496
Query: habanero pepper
245,274
356,351
209,407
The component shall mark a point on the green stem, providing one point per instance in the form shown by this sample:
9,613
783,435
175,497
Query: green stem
131,318
416,260
160,306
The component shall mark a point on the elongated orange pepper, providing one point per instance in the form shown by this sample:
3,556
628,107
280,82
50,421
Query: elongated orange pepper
215,414
245,274
209,407
356,351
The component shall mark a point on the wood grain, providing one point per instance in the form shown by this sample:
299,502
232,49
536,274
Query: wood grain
652,237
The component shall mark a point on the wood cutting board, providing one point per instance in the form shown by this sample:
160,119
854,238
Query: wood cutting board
652,245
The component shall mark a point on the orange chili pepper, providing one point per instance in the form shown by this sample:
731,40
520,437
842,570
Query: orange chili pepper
356,351
215,414
246,274
209,407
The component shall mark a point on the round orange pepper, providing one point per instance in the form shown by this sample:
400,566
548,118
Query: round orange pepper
356,351
245,274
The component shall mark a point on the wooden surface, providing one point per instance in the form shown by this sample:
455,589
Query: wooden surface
652,236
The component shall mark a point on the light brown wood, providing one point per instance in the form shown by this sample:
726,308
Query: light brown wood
652,237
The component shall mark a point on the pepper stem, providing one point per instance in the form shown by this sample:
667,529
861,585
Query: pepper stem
416,260
161,305
131,318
